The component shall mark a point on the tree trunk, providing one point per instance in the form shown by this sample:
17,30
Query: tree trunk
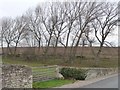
8,49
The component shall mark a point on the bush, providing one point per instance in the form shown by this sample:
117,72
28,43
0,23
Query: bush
81,57
72,73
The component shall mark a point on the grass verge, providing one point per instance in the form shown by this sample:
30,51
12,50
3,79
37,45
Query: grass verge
51,83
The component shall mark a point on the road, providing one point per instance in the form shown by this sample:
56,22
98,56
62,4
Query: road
111,82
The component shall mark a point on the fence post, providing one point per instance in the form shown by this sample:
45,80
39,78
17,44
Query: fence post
57,71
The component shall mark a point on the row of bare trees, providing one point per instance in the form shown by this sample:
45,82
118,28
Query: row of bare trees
66,24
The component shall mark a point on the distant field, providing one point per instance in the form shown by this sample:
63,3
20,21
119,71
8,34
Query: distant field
21,62
107,52
109,57
89,62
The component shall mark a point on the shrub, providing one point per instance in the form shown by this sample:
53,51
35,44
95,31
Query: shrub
80,57
72,73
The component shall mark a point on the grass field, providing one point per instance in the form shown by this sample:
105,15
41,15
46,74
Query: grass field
87,62
51,83
6,60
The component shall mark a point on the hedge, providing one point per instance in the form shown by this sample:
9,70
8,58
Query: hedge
72,73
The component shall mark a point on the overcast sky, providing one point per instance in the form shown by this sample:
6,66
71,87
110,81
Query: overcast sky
13,8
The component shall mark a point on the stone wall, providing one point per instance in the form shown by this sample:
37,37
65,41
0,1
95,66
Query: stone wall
98,72
16,76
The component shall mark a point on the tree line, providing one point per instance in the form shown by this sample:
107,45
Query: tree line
66,24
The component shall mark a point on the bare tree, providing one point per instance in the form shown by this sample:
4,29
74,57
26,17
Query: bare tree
35,25
71,14
60,27
19,31
86,14
1,36
104,25
8,32
49,22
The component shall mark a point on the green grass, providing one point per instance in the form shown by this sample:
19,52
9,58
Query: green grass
37,69
47,71
51,83
44,72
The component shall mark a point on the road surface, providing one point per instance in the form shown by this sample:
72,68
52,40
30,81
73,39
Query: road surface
111,82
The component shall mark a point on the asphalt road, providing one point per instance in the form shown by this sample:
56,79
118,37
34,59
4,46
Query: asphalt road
111,82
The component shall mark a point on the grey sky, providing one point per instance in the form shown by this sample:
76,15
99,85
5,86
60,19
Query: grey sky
13,8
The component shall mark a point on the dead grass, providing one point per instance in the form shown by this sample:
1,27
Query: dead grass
7,60
78,62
